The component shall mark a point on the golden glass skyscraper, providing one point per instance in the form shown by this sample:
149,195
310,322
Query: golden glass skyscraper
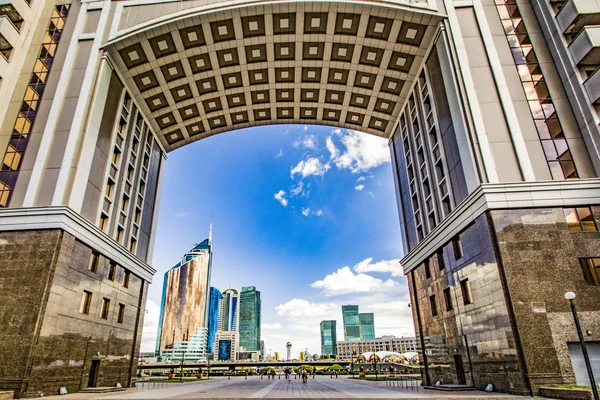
185,297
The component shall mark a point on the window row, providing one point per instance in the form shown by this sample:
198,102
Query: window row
439,256
580,219
115,271
86,304
465,290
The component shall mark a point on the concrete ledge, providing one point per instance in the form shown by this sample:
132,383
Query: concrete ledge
566,394
501,196
6,395
62,217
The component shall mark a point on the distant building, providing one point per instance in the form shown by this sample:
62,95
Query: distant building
367,326
249,318
276,357
226,345
248,356
262,349
288,346
192,349
214,313
185,299
351,322
328,337
230,310
384,343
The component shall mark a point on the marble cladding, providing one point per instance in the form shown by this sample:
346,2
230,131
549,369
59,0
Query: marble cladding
49,343
515,333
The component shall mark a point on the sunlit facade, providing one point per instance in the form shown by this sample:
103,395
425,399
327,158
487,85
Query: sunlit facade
185,301
351,322
328,337
367,326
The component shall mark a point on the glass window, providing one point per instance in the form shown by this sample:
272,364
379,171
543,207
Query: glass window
112,271
440,258
457,248
86,302
105,308
121,315
448,299
465,289
4,193
591,270
433,305
580,219
11,160
427,269
94,261
126,278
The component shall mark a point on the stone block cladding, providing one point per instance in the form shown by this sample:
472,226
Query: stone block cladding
51,343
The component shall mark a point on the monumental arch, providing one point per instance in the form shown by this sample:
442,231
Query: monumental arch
489,107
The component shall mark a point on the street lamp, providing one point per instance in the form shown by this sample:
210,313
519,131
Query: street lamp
571,297
352,360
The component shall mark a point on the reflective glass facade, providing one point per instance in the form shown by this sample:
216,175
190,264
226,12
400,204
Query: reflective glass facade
351,322
230,310
224,350
214,310
367,326
328,337
250,310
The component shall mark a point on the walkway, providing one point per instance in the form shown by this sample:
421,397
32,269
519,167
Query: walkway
254,387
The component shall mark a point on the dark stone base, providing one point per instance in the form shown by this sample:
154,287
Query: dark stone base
46,342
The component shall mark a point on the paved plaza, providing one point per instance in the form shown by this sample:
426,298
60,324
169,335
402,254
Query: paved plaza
254,387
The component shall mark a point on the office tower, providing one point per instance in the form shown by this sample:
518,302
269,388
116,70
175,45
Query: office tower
328,337
193,348
367,326
490,110
184,306
230,310
351,322
214,317
249,319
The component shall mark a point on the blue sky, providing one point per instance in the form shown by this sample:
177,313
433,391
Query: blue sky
307,214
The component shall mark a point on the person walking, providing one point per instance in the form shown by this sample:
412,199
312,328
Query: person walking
304,376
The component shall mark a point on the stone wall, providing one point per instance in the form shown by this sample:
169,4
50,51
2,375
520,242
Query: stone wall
540,256
51,343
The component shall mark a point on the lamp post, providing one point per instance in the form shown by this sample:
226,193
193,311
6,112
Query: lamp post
571,297
352,360
181,371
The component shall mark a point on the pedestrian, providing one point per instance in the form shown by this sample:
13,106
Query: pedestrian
304,376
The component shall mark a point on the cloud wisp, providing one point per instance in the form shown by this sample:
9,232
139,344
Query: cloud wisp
280,197
310,167
389,266
344,281
362,151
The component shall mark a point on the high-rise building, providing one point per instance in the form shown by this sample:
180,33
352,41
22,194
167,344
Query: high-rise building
328,337
262,349
214,316
230,310
367,326
249,319
351,322
490,109
184,305
226,345
192,349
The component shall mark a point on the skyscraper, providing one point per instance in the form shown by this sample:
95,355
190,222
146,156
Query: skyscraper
230,310
328,337
214,314
351,322
367,326
184,303
249,319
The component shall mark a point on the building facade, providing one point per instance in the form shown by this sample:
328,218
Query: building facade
185,300
385,343
249,319
328,337
351,322
214,316
367,326
226,345
194,348
230,310
490,109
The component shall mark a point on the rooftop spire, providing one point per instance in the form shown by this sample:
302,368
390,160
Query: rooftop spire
210,234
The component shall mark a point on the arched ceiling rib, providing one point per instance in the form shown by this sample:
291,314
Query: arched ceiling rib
342,64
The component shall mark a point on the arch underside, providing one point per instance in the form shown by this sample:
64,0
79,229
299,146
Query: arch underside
349,65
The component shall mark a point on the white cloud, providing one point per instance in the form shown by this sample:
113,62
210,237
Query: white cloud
391,266
298,190
372,195
362,151
279,153
150,329
307,142
312,166
360,178
271,326
305,211
302,309
344,281
332,148
318,213
359,187
280,197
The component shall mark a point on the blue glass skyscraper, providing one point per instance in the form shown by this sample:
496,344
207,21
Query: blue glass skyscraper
214,314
